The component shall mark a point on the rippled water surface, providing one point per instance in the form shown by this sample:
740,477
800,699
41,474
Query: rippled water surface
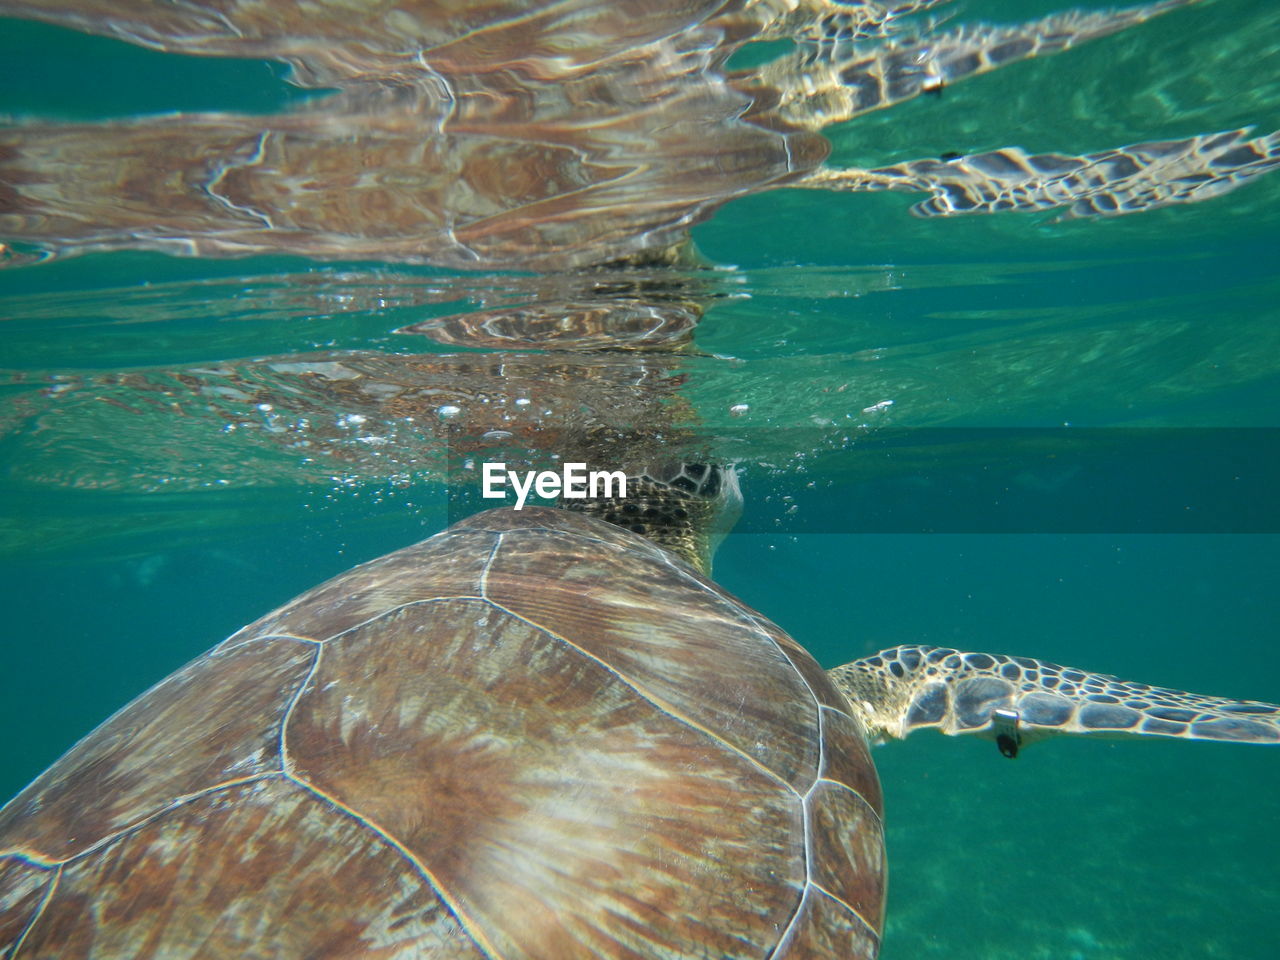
1010,432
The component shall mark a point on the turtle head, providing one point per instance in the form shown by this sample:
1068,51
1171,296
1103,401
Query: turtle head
686,508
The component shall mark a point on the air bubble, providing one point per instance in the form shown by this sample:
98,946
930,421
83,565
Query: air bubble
448,411
738,409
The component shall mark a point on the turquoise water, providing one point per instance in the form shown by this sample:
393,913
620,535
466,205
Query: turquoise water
136,530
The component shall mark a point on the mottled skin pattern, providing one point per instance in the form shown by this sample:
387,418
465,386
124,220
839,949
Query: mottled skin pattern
686,508
912,687
535,735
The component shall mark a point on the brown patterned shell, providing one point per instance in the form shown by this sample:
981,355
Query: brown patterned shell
533,735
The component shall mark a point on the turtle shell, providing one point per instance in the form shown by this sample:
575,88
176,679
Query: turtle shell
533,735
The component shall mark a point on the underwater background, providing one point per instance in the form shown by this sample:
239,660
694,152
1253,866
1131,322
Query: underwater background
1079,463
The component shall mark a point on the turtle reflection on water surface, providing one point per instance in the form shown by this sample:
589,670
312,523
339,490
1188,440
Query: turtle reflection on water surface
550,136
535,735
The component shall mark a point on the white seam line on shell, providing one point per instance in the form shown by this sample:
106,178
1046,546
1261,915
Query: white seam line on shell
265,637
754,621
377,616
806,820
469,927
861,919
173,677
39,912
525,531
788,932
759,629
431,879
368,564
667,708
846,787
807,812
817,704
484,574
281,740
174,804
31,857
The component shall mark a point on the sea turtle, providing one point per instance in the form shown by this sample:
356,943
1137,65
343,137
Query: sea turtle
537,734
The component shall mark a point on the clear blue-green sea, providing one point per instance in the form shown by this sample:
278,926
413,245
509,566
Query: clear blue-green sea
1079,460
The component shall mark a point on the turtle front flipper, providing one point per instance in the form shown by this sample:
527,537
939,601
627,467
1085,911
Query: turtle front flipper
1017,700
1141,176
